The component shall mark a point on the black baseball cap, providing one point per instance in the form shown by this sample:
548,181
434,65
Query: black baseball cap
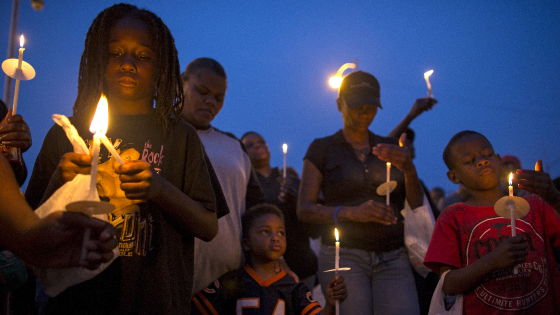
360,88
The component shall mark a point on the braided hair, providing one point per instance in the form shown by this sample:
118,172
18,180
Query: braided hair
169,91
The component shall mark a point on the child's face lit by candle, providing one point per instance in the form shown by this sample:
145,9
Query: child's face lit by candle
130,68
266,240
475,164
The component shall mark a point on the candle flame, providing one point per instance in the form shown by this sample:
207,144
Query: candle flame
21,41
428,73
101,118
389,164
285,148
335,81
336,234
510,179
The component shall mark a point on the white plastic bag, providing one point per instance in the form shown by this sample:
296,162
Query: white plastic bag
437,306
55,281
418,228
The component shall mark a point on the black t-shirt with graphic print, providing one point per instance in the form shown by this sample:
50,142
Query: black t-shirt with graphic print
154,271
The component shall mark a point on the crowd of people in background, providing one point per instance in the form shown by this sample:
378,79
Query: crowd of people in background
207,225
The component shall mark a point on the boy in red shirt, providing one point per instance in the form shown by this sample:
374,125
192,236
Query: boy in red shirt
475,244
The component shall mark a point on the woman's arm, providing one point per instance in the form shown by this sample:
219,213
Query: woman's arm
307,208
54,241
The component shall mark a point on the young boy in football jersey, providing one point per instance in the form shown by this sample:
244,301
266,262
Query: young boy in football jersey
258,288
475,245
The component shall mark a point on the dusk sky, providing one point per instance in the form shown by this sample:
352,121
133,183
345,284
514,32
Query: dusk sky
496,68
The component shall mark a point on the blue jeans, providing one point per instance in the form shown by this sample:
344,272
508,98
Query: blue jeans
380,284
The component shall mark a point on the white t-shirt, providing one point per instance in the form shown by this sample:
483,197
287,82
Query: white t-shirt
233,168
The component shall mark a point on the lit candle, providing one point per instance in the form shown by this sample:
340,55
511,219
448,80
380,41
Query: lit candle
336,267
387,196
20,61
21,49
285,150
427,75
388,171
337,245
98,127
511,207
94,164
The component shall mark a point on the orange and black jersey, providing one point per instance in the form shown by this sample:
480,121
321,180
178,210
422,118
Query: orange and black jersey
242,291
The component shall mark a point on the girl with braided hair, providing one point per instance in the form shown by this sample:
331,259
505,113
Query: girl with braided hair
163,193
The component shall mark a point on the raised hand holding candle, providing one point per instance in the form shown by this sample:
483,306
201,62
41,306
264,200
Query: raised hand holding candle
336,265
285,150
427,75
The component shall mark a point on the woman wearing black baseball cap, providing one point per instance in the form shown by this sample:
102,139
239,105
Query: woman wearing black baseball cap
347,168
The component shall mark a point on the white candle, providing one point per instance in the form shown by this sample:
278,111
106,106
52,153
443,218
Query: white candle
21,49
111,149
510,188
427,75
94,164
512,215
387,195
285,150
20,61
513,229
336,265
98,127
337,245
